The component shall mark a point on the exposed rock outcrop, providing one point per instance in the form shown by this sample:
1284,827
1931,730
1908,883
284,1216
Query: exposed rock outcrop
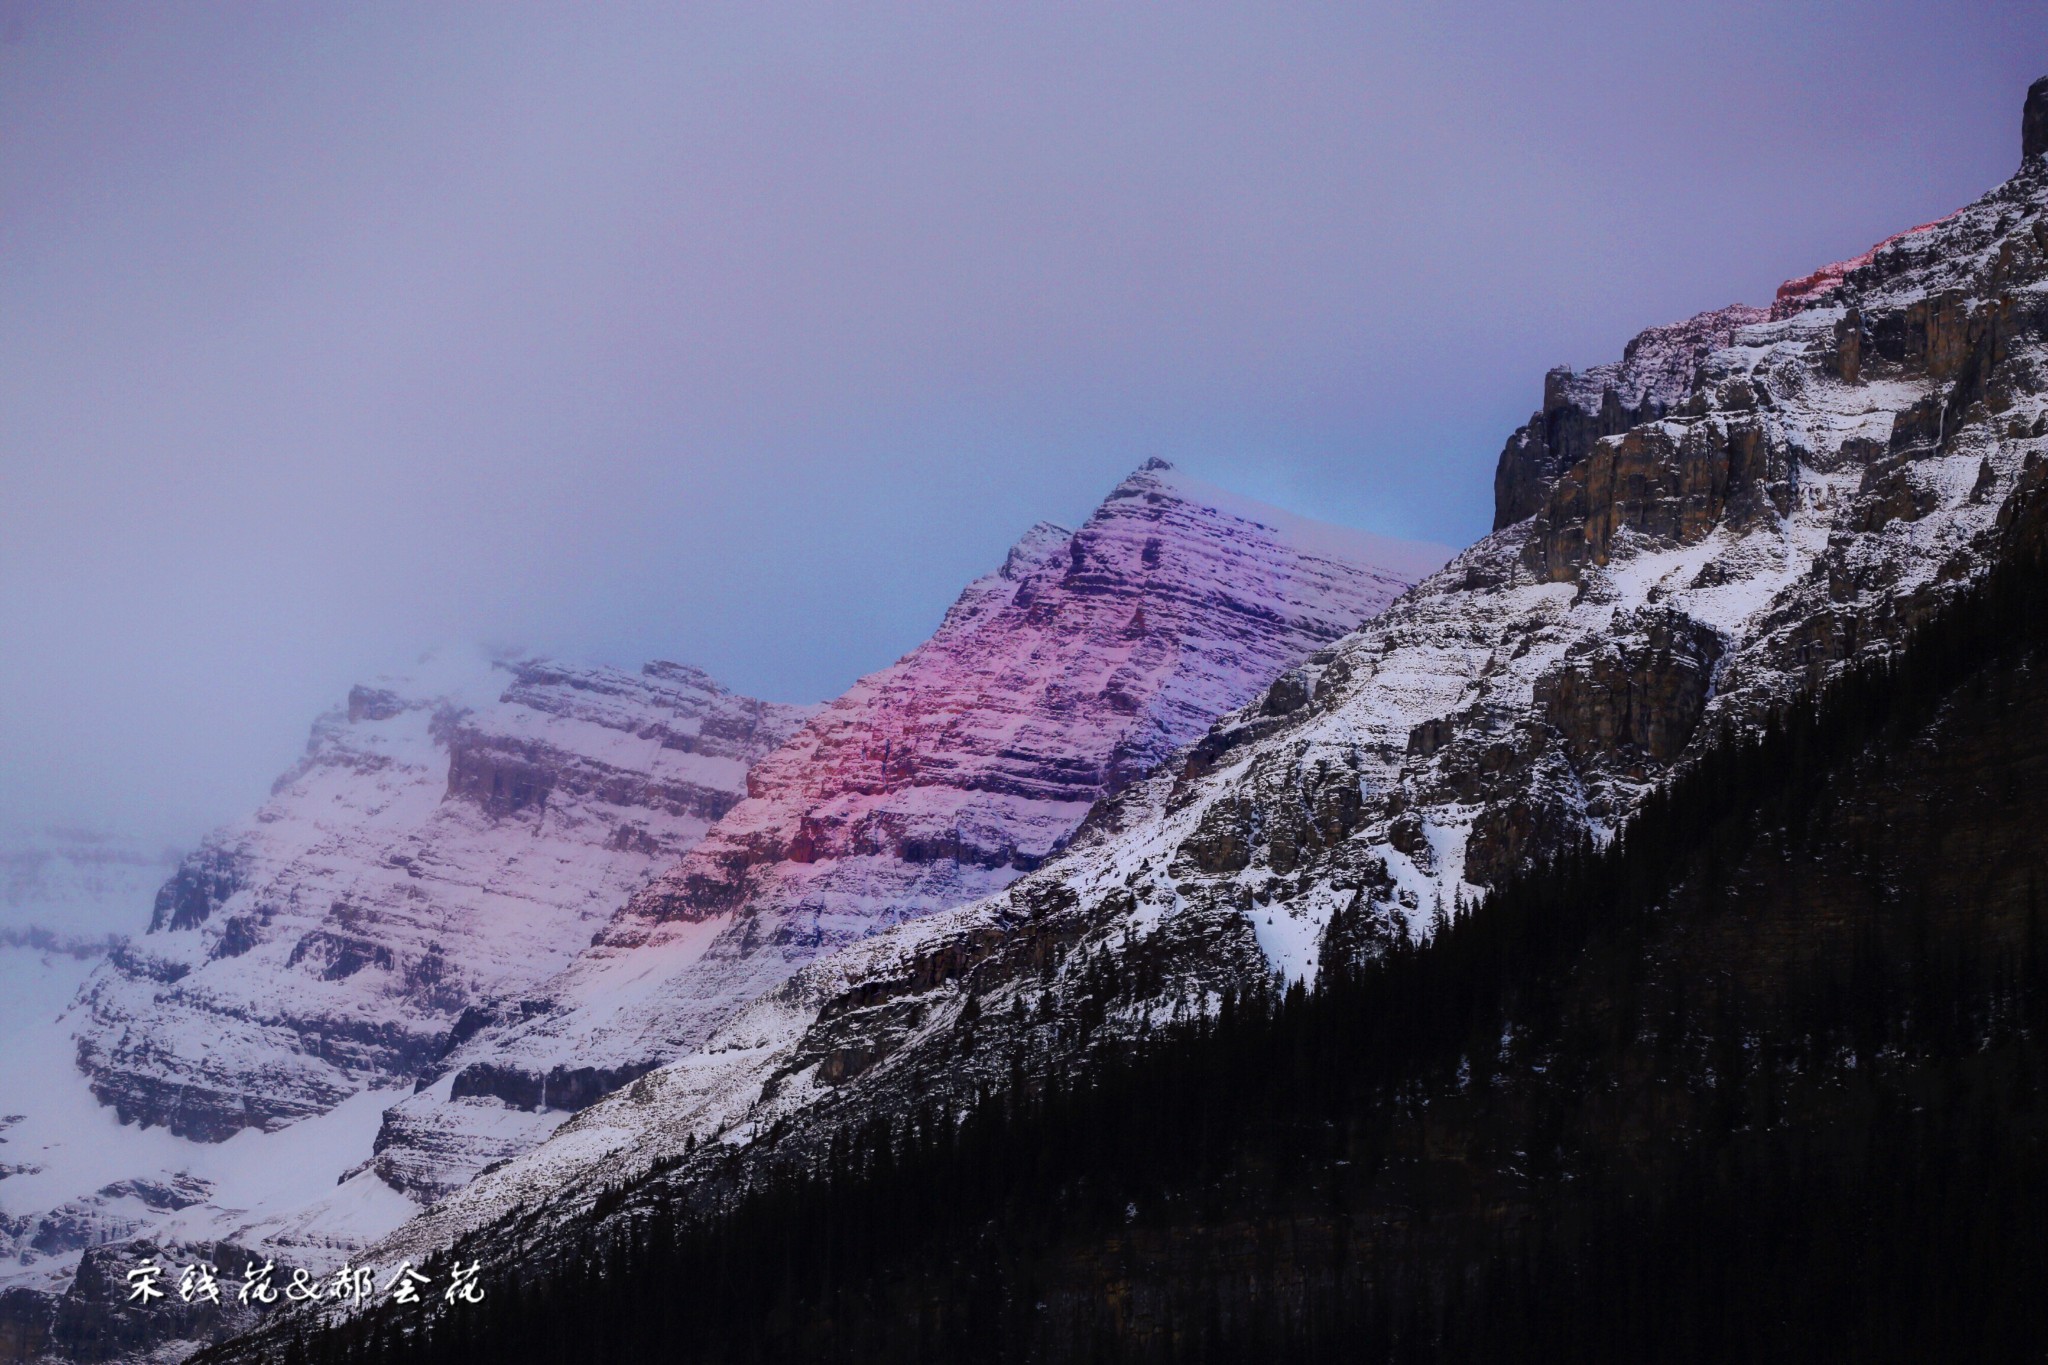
1634,703
1580,408
2034,121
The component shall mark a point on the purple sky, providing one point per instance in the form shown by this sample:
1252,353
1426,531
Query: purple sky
747,335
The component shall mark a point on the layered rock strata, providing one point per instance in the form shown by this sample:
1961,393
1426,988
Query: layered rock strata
443,845
1082,663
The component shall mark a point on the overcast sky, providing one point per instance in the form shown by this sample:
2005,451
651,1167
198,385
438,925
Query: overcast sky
746,335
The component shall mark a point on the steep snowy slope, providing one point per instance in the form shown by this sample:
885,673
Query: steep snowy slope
1830,473
1082,663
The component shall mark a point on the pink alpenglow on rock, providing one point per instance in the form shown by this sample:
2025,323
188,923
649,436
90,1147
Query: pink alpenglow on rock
1087,659
1080,665
1794,295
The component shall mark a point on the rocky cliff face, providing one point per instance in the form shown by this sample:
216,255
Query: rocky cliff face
440,846
1828,474
2034,121
1087,659
1580,408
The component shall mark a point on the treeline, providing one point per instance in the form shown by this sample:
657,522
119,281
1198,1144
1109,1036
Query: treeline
1762,1080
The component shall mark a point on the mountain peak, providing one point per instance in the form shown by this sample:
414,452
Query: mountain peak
1240,515
1085,662
1035,547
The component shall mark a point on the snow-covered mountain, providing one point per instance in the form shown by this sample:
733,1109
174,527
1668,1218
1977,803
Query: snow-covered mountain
1828,472
429,877
440,846
449,839
1685,541
1088,658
